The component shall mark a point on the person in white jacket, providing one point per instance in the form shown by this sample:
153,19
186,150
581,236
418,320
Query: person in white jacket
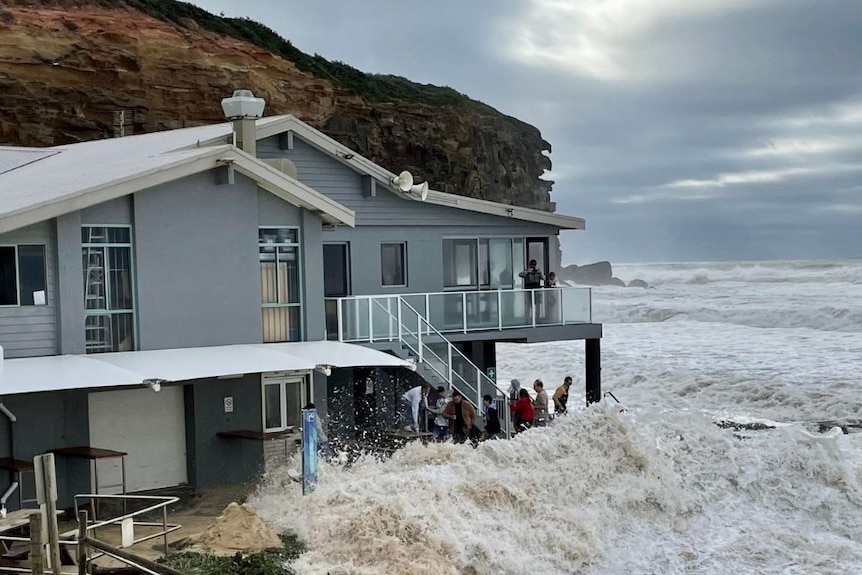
412,399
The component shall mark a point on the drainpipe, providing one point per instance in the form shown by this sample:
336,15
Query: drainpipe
243,109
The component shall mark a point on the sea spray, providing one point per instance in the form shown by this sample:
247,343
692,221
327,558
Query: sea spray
651,490
546,498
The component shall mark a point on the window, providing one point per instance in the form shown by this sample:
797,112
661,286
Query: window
459,264
22,275
283,400
109,322
482,263
393,264
280,283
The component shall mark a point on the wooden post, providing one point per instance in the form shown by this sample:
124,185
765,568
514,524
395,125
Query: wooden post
37,547
82,543
46,494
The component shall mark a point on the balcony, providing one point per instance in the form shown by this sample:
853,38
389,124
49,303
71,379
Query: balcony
379,317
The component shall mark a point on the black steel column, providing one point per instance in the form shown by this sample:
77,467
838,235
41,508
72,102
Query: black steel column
593,349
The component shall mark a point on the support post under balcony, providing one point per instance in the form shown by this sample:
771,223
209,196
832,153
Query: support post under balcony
593,370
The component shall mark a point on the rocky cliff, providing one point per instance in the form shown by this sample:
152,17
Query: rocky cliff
68,67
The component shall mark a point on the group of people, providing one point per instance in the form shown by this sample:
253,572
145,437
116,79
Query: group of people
455,418
528,412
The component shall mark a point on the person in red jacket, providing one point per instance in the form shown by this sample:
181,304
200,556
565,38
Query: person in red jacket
522,411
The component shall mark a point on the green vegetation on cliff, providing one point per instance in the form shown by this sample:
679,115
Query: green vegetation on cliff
376,88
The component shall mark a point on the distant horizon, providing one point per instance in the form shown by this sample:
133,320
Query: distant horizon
714,261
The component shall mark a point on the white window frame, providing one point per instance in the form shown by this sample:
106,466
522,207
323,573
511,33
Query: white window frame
282,381
18,274
403,246
132,277
300,270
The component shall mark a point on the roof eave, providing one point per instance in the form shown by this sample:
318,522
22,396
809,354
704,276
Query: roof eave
92,196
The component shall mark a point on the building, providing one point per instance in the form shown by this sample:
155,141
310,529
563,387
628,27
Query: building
242,269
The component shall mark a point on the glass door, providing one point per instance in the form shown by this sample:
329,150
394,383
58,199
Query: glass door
336,282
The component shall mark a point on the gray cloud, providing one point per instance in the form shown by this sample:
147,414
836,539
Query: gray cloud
727,129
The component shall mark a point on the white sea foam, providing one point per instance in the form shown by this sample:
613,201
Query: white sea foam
658,489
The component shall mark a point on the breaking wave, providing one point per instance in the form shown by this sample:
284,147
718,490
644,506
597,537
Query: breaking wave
595,493
814,271
824,318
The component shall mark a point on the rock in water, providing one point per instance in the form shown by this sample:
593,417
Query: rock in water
597,274
615,281
638,283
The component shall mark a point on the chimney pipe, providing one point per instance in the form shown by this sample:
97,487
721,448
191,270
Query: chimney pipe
243,110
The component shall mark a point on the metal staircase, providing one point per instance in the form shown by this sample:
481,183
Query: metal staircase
438,361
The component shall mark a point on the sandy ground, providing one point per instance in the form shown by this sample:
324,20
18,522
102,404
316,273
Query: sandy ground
204,528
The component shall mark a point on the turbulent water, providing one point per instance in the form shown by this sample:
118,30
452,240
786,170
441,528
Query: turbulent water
657,489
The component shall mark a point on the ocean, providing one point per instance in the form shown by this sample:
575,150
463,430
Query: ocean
658,488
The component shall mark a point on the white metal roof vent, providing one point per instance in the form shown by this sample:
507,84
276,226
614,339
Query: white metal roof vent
242,104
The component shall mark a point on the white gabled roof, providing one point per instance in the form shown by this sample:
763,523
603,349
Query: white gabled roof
274,125
41,183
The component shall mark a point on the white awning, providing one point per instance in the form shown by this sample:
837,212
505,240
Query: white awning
64,372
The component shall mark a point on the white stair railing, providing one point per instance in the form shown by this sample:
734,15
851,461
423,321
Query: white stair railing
405,325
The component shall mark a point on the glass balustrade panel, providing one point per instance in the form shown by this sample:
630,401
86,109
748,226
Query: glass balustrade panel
576,305
516,308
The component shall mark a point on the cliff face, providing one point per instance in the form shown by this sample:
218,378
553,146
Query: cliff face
67,67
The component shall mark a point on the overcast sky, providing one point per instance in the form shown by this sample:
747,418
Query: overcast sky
681,129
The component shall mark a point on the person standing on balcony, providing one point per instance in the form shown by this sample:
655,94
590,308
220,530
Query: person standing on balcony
412,399
461,416
540,404
550,299
561,396
551,282
533,277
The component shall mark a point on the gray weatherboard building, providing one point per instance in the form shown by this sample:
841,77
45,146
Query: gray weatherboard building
191,260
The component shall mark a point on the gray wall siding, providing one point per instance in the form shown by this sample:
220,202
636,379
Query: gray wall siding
117,211
214,460
48,421
341,183
31,330
273,211
198,275
70,285
424,254
312,266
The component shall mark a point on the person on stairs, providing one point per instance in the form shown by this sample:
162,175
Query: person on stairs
441,425
540,404
492,430
411,401
461,416
561,396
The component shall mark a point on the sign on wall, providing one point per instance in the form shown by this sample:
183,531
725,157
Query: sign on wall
228,404
309,450
491,372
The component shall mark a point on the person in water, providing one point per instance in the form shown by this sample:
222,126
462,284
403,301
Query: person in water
461,416
561,396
